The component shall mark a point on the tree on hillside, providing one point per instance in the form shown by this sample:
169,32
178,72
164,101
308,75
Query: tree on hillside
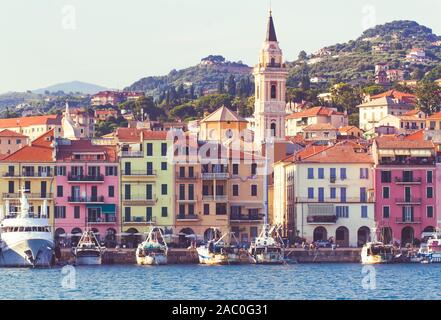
231,86
429,97
303,55
221,86
345,97
374,89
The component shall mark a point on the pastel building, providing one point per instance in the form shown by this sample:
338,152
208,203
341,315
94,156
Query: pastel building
30,168
147,180
87,190
11,141
405,187
334,196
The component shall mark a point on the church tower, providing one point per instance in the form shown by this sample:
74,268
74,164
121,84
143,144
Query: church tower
270,76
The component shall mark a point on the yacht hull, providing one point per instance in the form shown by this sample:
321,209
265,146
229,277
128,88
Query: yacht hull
269,258
205,257
28,253
88,259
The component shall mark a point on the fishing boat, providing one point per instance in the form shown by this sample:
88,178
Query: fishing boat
154,250
26,238
220,250
268,247
430,252
377,252
88,250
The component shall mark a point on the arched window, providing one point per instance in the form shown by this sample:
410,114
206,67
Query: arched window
273,129
273,62
273,91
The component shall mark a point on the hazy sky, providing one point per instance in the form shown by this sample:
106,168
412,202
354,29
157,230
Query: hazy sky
116,42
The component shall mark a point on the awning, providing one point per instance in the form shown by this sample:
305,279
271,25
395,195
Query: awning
105,208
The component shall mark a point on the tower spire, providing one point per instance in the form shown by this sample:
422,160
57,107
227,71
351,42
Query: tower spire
271,30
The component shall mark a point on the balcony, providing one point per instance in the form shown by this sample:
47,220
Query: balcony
139,200
408,201
30,196
27,174
92,199
139,173
139,220
108,219
408,221
246,217
86,178
132,154
409,161
408,181
184,177
187,218
368,199
184,200
215,176
217,198
325,219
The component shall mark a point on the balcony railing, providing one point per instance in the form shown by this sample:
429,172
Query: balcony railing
408,221
28,195
185,199
187,217
137,173
408,180
322,219
102,220
219,198
369,199
91,199
132,154
246,217
27,174
142,199
213,175
409,161
407,201
184,177
85,178
140,220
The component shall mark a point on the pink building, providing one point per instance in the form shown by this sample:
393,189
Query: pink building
87,193
405,187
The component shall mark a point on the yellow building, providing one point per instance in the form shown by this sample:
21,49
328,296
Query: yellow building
30,168
147,180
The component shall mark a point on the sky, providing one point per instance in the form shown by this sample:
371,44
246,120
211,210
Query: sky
114,43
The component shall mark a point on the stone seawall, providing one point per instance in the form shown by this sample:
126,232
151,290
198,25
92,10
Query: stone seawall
184,256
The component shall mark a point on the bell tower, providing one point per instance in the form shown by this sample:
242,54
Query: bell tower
270,76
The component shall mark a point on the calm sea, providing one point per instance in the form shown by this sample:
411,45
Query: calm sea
301,281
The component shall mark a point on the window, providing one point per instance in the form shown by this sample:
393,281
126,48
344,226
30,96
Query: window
310,173
10,186
164,149
127,214
342,211
190,172
127,168
429,192
364,212
27,187
253,233
164,189
429,176
164,166
182,192
333,193
191,192
149,149
321,173
111,191
273,129
235,190
148,214
59,191
310,193
254,169
254,190
386,212
164,212
333,173
363,195
235,168
343,174
191,209
149,191
60,171
364,173
76,212
60,212
127,192
407,213
343,194
182,172
321,194
206,209
386,193
429,211
149,167
273,91
111,171
386,176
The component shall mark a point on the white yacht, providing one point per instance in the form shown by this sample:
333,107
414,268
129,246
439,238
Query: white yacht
88,251
430,252
26,239
154,250
268,247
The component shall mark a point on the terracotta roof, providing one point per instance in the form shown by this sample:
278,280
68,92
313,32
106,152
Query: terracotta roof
309,151
343,152
314,112
417,136
413,112
385,101
402,143
348,128
9,133
320,127
30,121
65,152
401,96
296,139
410,118
435,116
134,135
40,150
223,114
